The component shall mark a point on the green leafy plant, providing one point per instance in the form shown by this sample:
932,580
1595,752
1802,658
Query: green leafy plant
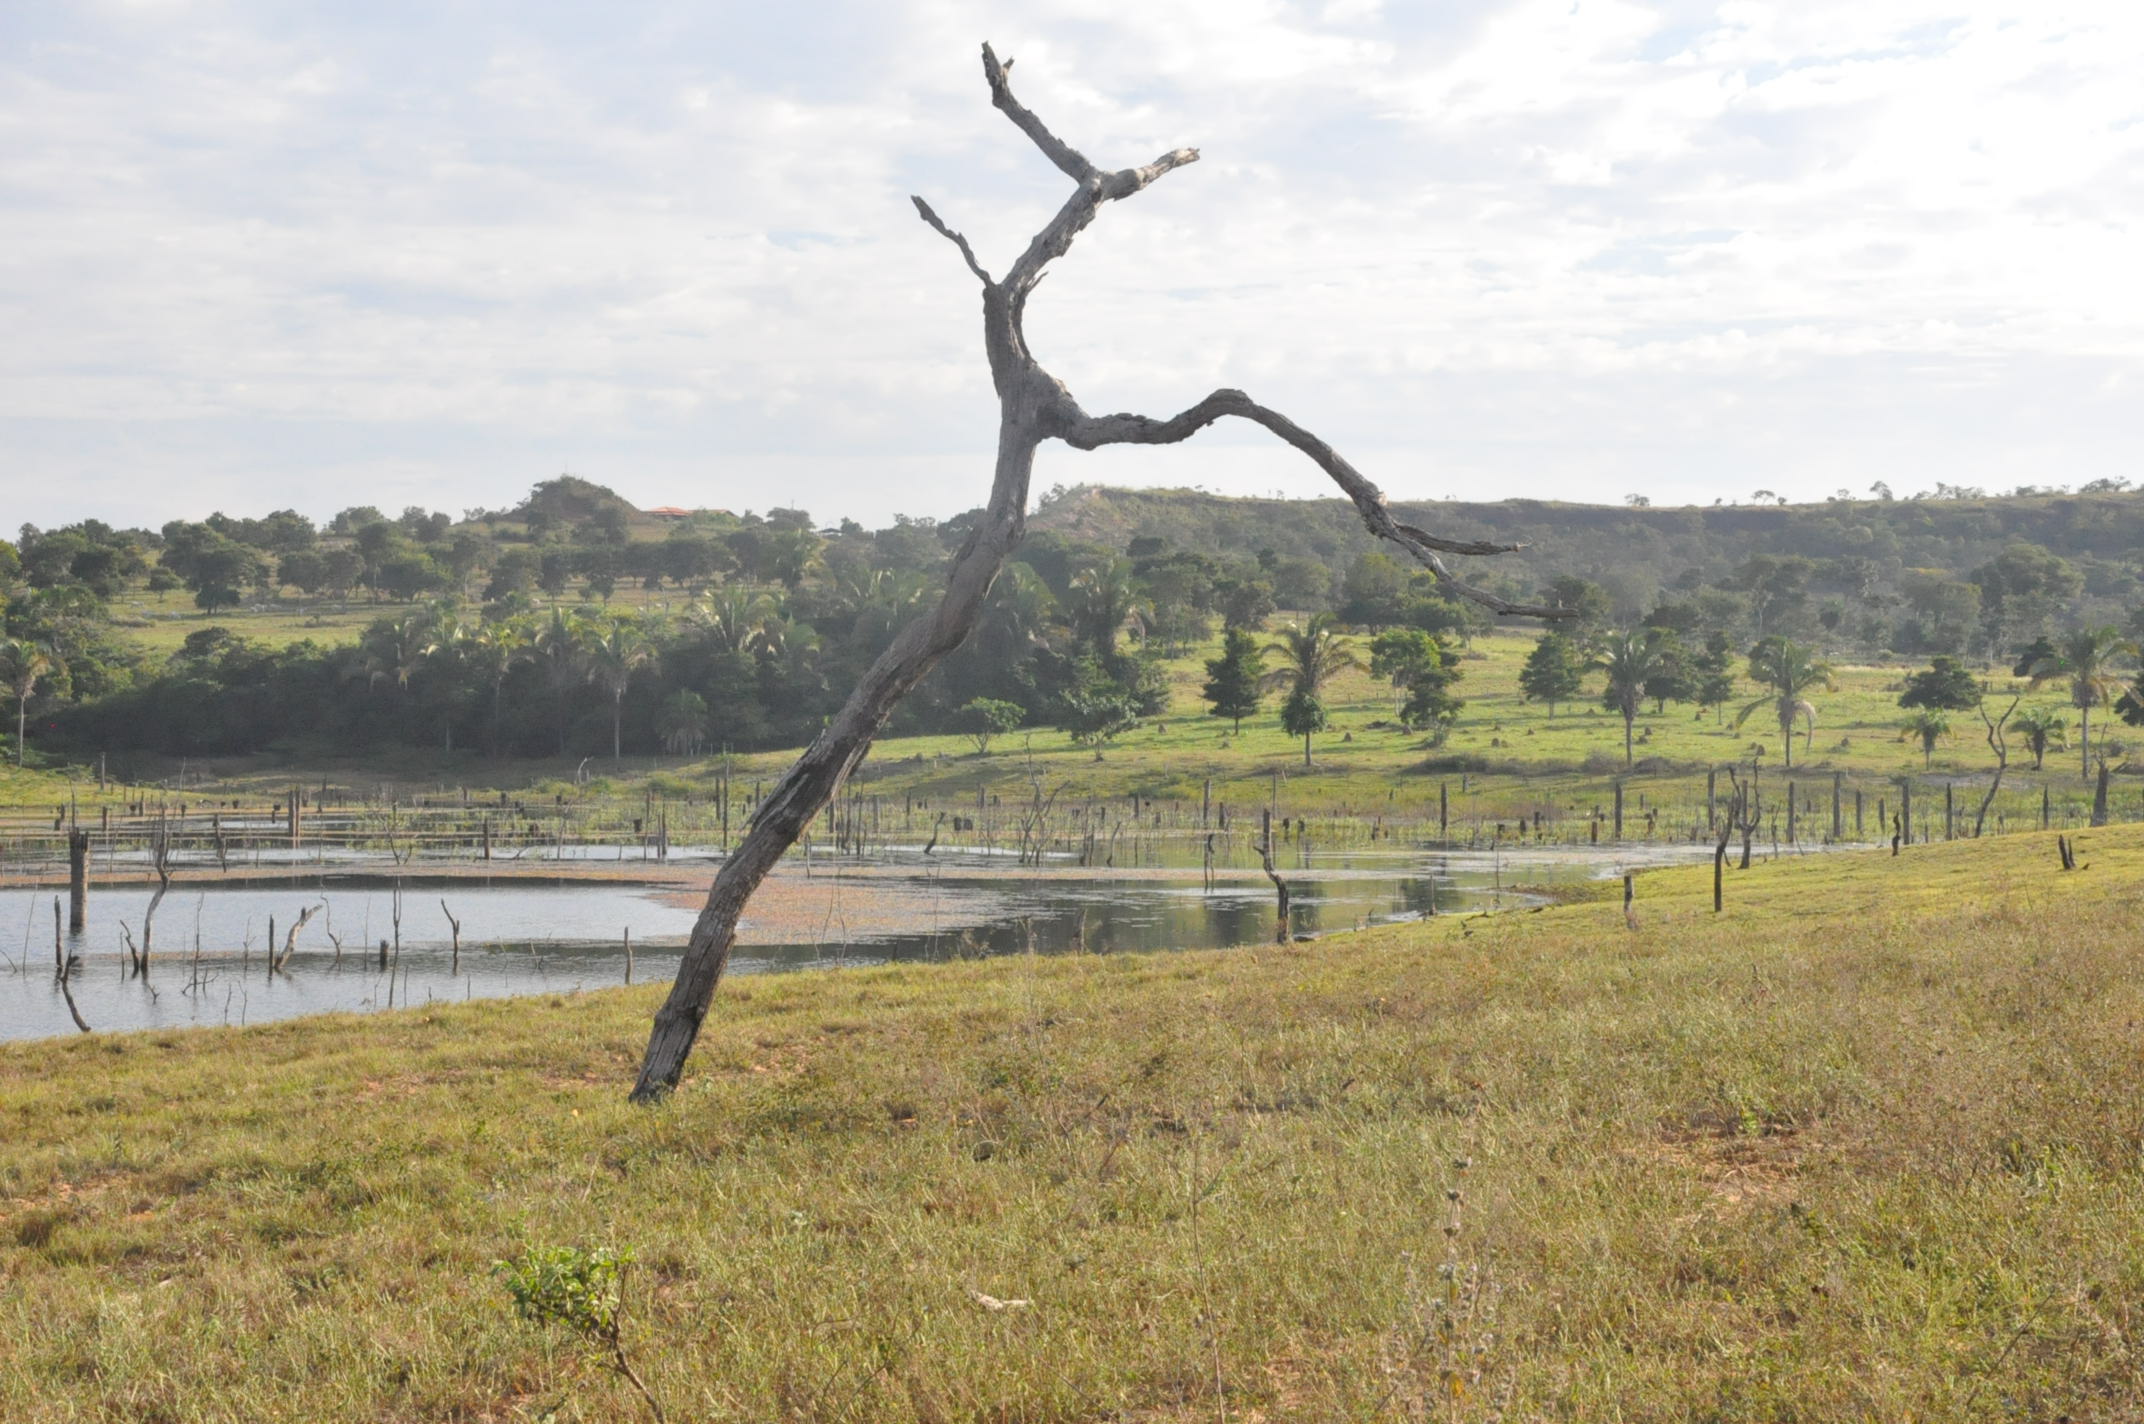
582,1290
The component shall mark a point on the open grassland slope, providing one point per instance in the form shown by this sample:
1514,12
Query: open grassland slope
1866,1146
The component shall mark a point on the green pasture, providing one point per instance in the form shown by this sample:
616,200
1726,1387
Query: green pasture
1862,1147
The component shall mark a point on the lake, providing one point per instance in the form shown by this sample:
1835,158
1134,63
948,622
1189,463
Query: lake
521,934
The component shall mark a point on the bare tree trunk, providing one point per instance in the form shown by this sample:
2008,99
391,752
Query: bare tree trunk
1033,406
77,880
278,963
2000,745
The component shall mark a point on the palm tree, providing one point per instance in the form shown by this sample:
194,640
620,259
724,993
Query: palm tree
736,621
2090,660
1788,670
1928,724
446,648
791,555
561,645
1631,660
682,723
1016,620
882,602
393,651
1310,654
494,650
1101,601
23,664
2042,727
613,654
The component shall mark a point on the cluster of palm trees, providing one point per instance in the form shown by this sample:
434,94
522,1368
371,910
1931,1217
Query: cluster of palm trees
1789,672
572,649
2092,664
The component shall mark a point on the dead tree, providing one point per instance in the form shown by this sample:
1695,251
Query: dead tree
2000,745
456,926
1033,406
1281,894
77,879
278,963
1742,816
160,859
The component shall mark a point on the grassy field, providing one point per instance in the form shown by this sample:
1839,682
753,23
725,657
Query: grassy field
159,622
1506,759
1866,1146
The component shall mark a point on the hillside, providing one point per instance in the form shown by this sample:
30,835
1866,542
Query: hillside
1857,545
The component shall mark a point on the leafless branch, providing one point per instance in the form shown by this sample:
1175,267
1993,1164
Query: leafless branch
1069,159
953,237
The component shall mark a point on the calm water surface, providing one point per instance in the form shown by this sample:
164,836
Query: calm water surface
209,959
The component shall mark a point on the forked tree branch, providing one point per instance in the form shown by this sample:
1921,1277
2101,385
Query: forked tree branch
1033,406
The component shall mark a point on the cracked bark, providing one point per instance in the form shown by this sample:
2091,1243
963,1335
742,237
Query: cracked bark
1033,406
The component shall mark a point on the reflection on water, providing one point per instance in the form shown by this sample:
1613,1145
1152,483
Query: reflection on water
210,956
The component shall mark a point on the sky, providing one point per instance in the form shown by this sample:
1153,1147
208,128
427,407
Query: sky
260,255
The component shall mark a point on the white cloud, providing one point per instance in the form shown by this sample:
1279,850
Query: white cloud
1556,249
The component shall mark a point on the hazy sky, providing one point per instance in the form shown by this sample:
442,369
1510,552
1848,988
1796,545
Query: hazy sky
256,255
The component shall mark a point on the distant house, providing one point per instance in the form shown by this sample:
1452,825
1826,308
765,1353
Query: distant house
670,511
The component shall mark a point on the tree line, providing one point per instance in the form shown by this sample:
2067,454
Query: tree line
499,632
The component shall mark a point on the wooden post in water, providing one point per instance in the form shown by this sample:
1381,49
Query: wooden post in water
77,879
1206,804
628,954
1838,806
1444,809
297,795
1619,810
1857,814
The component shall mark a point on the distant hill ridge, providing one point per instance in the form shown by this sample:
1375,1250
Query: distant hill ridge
1952,534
